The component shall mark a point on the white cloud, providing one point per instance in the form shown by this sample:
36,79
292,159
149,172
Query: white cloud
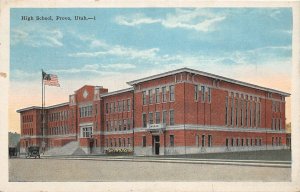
120,51
37,36
198,20
103,69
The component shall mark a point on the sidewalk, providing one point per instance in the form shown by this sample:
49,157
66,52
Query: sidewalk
260,163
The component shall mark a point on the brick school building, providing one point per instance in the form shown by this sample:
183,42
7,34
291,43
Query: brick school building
183,111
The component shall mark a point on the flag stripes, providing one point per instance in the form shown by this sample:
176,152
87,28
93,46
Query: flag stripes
51,80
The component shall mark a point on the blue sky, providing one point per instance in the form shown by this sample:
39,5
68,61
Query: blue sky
249,44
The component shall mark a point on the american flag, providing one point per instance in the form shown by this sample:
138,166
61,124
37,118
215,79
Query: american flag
51,80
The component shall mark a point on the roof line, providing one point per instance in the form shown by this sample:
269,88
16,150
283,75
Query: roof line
117,92
185,69
38,107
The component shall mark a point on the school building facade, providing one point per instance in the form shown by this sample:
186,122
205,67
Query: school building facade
183,111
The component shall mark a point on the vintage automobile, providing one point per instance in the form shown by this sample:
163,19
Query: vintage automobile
33,151
12,152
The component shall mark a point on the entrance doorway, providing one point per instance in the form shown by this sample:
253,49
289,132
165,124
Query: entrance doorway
91,146
155,144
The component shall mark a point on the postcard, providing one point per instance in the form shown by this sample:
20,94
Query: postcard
143,96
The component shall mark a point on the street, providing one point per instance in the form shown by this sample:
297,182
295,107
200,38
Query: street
95,169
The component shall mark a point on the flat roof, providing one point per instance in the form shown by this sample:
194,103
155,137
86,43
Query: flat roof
185,69
117,92
38,107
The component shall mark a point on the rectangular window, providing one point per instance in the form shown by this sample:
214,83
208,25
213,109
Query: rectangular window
226,111
164,94
123,105
128,142
120,125
86,132
237,142
85,111
111,108
144,118
144,141
171,140
196,92
157,117
164,117
171,117
203,140
124,124
250,115
150,118
119,106
157,98
209,140
144,98
246,120
115,107
128,105
209,94
232,142
128,124
242,142
227,142
247,142
241,114
150,96
197,140
172,93
236,113
232,111
203,93
120,144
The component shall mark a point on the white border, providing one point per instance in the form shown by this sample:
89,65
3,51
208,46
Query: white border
147,186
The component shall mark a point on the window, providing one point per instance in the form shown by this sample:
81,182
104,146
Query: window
124,142
259,142
123,105
115,142
232,142
209,94
250,115
164,94
172,93
237,142
209,140
111,108
150,96
128,104
157,117
86,111
107,128
164,117
157,99
203,93
279,141
128,124
115,107
227,142
196,92
171,140
119,106
144,141
241,114
144,98
236,113
232,111
203,140
144,118
124,124
272,141
128,142
150,118
247,142
246,123
120,144
120,125
171,117
242,142
226,111
86,132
